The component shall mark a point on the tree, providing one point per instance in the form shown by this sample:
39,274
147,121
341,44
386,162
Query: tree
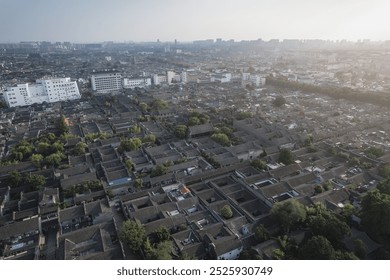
360,249
327,185
286,156
163,251
221,138
289,213
138,183
227,212
133,235
21,151
162,234
348,211
79,148
131,144
56,147
135,129
340,255
243,115
159,170
326,223
374,152
318,189
384,186
259,164
143,107
37,160
279,101
159,104
54,159
35,180
61,125
180,131
261,233
318,248
384,171
193,121
278,254
203,118
150,138
44,148
375,214
129,164
15,178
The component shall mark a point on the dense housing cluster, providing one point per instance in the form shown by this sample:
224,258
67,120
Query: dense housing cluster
193,151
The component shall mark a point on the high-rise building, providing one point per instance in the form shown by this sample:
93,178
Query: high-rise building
44,90
105,82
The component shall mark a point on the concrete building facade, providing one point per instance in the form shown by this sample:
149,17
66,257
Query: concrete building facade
44,90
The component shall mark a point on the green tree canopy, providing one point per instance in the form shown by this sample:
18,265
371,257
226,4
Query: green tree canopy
162,234
360,249
259,164
162,251
286,156
159,104
44,148
384,171
159,170
143,107
54,159
180,131
129,164
35,180
133,235
79,148
138,183
261,234
150,138
279,101
384,186
243,115
289,213
326,223
131,144
193,121
318,248
202,117
374,152
15,178
61,125
227,212
135,129
37,160
375,214
221,138
22,150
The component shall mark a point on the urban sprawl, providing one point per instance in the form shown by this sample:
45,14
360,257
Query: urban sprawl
210,149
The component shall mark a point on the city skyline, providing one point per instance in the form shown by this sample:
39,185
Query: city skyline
124,21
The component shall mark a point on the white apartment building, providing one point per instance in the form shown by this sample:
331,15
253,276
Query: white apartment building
137,82
159,79
256,80
105,82
44,90
170,77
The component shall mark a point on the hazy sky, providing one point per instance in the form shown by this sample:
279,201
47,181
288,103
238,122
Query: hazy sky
149,20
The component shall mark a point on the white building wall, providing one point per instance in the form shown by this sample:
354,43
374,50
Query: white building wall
106,82
45,90
232,255
133,83
170,77
183,77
